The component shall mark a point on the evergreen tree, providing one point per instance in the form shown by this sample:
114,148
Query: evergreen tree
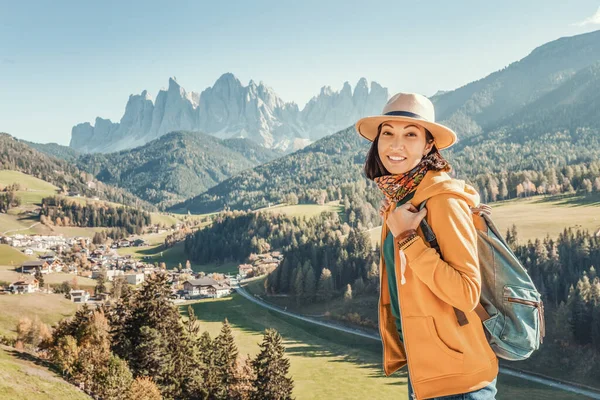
225,356
325,286
299,283
100,283
348,293
310,284
40,278
271,369
114,381
242,387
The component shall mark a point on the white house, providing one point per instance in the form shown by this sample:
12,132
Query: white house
79,296
110,274
24,286
217,291
206,287
135,279
28,251
199,287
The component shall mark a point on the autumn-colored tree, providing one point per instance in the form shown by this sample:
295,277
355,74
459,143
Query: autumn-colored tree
144,388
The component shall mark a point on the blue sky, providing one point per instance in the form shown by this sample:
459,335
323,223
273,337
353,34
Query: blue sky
66,62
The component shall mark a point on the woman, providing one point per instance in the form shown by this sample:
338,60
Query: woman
426,306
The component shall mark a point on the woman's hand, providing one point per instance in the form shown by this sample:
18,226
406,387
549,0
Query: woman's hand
385,204
404,218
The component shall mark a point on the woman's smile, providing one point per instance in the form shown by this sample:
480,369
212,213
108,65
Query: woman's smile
396,159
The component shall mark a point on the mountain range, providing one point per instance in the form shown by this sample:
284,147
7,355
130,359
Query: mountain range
536,112
539,112
230,110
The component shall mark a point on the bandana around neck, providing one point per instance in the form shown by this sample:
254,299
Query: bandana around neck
396,186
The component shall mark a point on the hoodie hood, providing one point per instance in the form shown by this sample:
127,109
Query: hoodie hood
439,182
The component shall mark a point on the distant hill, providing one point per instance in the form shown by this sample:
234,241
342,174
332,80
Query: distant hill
334,159
176,166
481,105
18,156
55,150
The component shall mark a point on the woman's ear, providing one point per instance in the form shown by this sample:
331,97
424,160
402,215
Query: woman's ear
428,148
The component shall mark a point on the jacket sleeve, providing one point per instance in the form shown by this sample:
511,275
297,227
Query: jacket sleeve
455,279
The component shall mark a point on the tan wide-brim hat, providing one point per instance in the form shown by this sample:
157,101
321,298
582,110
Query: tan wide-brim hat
408,107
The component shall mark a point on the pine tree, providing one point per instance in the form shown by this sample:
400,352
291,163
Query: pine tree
114,381
225,355
151,337
100,283
40,278
299,283
271,369
243,376
192,326
348,293
325,286
310,284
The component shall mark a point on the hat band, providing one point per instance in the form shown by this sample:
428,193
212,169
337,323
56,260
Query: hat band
405,114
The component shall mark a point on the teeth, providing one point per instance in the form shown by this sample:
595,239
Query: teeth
396,158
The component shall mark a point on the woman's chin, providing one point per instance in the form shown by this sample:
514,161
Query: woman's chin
396,169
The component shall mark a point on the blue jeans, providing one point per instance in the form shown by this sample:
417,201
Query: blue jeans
485,393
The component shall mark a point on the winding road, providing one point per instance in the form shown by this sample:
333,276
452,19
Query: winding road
503,370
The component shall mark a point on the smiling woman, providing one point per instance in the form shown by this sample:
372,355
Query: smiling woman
426,301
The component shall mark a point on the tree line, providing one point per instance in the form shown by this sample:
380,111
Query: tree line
139,346
61,211
17,156
8,198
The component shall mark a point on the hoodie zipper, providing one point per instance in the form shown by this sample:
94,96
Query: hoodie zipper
404,341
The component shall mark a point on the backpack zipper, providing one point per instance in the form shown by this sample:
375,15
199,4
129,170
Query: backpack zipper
540,307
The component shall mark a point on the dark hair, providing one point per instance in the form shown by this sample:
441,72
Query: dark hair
374,167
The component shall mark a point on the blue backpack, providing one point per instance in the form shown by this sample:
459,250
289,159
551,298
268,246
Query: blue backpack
510,308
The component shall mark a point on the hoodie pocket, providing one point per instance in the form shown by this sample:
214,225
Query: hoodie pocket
429,357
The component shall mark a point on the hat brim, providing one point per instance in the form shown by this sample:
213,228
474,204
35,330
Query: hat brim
443,136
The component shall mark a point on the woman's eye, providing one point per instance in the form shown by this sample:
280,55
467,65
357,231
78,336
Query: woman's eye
386,132
411,134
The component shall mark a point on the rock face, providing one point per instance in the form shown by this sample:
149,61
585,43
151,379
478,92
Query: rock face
228,109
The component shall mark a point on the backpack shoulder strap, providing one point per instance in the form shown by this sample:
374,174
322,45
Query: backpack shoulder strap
428,232
430,237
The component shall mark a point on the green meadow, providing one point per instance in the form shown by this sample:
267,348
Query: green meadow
25,377
329,364
538,216
49,307
174,256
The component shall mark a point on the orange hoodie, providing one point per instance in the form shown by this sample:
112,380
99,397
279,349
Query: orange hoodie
444,358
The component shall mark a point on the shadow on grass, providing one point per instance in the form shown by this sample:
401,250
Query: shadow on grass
591,199
23,355
301,338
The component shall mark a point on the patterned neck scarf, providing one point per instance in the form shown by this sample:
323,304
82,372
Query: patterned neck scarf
396,186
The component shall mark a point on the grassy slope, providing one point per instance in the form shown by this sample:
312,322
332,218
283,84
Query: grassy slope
9,274
330,364
50,308
538,216
11,256
32,189
173,256
23,377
